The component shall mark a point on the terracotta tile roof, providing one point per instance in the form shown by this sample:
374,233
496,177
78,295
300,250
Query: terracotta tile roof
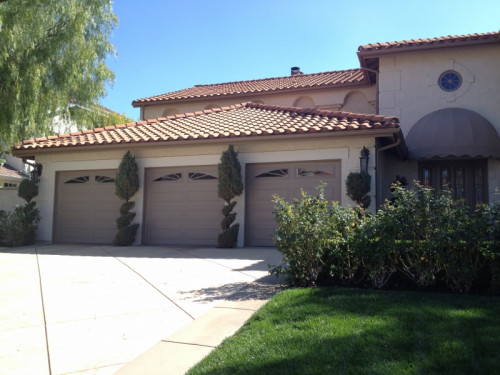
237,121
443,41
299,81
9,171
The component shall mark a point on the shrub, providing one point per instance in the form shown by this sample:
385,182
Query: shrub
230,185
303,237
27,190
18,228
358,187
126,185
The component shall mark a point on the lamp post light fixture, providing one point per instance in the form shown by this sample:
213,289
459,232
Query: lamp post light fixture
363,159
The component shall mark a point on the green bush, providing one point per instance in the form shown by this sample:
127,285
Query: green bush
126,235
228,238
126,185
18,228
27,190
303,237
230,185
358,187
422,234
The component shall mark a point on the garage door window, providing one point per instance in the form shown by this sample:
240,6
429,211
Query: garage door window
104,179
274,173
201,176
78,180
311,172
170,177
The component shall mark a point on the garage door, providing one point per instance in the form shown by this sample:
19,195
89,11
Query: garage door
285,180
86,207
182,207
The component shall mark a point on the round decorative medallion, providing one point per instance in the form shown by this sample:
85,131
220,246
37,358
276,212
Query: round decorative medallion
450,80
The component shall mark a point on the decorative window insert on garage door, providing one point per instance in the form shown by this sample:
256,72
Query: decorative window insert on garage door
86,207
182,206
285,180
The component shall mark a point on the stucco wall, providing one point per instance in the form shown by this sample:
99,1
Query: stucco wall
345,149
9,199
409,89
328,99
409,83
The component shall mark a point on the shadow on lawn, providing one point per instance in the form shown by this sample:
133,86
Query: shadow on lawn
338,331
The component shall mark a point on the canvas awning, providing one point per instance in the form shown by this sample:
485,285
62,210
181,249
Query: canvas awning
453,132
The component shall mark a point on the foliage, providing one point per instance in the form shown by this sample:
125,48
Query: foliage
358,187
52,55
127,178
18,228
354,331
303,237
126,185
96,116
230,185
229,238
27,190
421,234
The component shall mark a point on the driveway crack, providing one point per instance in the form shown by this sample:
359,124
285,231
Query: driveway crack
43,310
150,283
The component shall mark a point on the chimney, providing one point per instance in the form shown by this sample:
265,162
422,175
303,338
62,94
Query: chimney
295,71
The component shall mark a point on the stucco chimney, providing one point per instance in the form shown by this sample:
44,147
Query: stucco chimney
295,70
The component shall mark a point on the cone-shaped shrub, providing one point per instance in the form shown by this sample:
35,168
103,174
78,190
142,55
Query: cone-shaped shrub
126,184
230,186
358,187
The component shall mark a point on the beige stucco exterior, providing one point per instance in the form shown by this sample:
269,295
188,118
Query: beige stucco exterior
355,99
345,149
409,90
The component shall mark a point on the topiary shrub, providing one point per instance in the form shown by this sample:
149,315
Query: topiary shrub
18,228
126,185
230,185
27,190
358,187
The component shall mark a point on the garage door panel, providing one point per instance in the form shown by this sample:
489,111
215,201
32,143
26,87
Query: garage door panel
185,211
287,180
86,207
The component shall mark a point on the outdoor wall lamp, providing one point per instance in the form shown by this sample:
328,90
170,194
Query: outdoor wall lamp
363,159
36,172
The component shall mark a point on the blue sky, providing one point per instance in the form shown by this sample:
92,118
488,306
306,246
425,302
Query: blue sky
168,45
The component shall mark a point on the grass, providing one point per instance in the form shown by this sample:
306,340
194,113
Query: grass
350,331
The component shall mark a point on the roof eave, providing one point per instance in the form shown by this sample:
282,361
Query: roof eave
136,104
383,132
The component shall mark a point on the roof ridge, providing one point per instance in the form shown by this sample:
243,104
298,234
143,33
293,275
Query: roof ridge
445,38
279,77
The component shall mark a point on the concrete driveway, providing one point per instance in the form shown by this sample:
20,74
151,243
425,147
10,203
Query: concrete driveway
78,309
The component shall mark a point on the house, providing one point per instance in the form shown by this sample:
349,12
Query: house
12,172
426,109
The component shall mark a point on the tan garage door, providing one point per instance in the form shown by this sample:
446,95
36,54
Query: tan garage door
285,180
182,207
86,207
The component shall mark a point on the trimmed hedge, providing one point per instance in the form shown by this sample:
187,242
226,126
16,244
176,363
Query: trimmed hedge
424,236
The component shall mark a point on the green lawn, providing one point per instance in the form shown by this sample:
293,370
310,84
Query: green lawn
351,331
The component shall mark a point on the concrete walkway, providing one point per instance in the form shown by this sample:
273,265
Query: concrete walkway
96,310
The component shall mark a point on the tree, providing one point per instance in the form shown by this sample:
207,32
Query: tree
52,55
126,184
230,186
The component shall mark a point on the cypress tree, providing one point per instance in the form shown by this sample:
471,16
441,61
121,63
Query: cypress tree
230,186
126,185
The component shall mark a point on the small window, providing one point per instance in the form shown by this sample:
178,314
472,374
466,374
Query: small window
9,184
311,172
450,81
104,179
170,177
201,176
274,173
78,180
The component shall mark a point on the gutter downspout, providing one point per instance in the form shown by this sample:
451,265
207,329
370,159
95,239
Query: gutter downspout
378,179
